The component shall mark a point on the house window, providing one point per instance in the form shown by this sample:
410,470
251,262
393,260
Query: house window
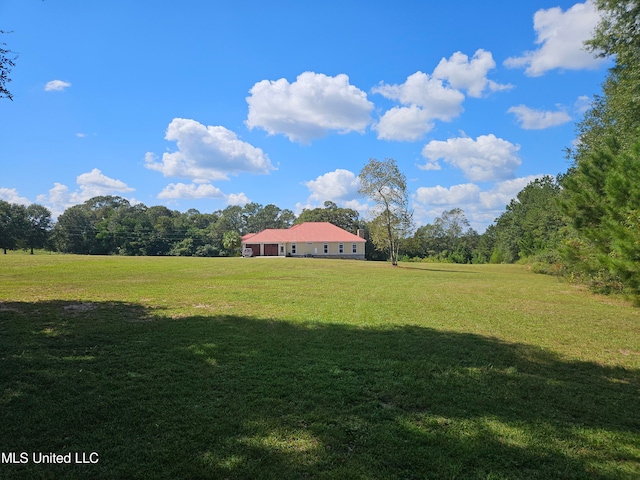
341,248
354,248
293,249
326,248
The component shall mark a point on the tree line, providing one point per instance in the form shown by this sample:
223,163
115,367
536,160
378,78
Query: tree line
111,225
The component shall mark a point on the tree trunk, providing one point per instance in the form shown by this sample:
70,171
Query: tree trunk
392,252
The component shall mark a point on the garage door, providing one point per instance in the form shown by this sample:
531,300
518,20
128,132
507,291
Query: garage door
271,249
256,249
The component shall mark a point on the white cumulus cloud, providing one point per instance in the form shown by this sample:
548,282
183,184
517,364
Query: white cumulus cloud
178,191
308,108
425,97
560,36
237,199
582,104
96,183
481,207
337,186
90,184
469,75
404,124
11,195
487,158
207,153
429,93
464,194
503,192
56,86
181,190
532,119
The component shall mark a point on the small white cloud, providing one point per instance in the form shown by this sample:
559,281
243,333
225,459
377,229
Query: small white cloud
456,195
430,166
207,153
239,199
561,36
91,184
583,103
406,124
96,183
532,119
81,135
425,98
11,195
191,191
436,99
469,75
503,192
487,158
337,186
56,86
308,108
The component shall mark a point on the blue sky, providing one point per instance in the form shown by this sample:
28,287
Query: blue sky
201,104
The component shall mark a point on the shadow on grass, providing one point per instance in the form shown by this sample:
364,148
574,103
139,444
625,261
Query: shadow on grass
231,397
422,268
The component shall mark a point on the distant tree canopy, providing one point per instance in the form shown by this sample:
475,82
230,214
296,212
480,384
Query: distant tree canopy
345,218
531,223
449,238
111,225
23,227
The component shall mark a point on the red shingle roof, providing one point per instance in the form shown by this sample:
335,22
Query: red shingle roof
303,233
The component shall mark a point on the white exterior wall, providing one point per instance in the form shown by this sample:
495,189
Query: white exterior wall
316,249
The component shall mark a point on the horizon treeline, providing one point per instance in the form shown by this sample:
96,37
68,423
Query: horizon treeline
111,225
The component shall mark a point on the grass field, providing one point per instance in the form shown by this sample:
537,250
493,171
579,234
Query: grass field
300,368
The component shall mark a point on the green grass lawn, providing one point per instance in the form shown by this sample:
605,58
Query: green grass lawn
300,368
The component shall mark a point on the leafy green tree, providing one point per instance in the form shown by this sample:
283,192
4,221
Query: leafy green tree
196,228
7,239
597,195
13,225
617,35
485,248
449,238
345,218
603,202
257,218
39,225
384,184
88,228
232,241
532,221
231,218
75,231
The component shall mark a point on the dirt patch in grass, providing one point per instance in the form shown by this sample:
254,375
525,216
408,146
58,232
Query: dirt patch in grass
80,307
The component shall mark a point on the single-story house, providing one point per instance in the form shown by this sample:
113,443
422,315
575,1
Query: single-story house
309,239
